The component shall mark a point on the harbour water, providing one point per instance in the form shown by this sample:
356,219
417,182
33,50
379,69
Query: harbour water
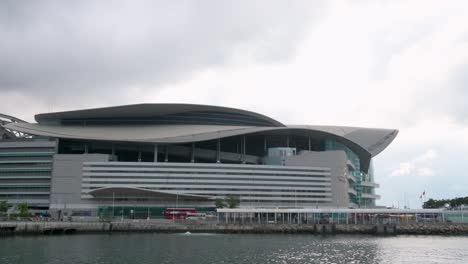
231,248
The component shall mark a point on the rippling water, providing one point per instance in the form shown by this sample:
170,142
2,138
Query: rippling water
230,248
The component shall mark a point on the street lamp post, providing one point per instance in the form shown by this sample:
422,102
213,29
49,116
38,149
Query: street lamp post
113,204
295,199
174,212
461,209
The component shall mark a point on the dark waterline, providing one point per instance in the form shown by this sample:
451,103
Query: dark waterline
231,248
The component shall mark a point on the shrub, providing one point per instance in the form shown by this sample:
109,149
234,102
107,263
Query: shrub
3,207
232,201
219,203
23,210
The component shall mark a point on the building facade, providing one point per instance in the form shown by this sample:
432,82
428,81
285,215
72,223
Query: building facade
166,155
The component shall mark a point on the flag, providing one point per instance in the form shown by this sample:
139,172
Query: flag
424,193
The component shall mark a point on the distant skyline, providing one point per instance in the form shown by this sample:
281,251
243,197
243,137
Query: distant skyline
388,64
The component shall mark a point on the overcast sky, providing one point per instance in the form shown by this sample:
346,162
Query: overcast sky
389,64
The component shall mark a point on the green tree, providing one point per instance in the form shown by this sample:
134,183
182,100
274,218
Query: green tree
232,201
219,203
3,207
23,210
433,203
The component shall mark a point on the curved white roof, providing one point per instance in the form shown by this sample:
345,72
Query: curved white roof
370,140
366,142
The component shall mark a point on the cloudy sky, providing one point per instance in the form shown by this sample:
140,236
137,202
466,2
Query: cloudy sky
389,64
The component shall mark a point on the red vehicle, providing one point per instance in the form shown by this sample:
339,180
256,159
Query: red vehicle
178,213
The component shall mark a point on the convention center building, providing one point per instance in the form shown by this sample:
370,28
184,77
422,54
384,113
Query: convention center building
146,156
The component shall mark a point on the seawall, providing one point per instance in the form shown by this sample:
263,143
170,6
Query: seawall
13,228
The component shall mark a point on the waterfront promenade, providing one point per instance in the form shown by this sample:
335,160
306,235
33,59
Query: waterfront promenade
266,220
168,226
374,216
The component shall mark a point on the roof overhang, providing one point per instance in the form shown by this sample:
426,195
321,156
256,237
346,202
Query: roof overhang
107,192
365,142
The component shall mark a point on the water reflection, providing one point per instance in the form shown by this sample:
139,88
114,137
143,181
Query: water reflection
218,248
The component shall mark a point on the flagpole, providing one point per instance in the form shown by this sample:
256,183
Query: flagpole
423,198
422,203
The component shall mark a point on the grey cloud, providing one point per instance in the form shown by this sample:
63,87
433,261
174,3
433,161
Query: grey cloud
447,97
389,43
57,48
454,96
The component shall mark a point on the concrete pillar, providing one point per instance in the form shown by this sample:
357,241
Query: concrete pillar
218,150
139,155
243,149
310,144
156,153
86,148
265,146
287,141
166,155
192,153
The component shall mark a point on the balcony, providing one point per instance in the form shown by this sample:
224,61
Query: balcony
370,196
350,164
352,191
370,184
